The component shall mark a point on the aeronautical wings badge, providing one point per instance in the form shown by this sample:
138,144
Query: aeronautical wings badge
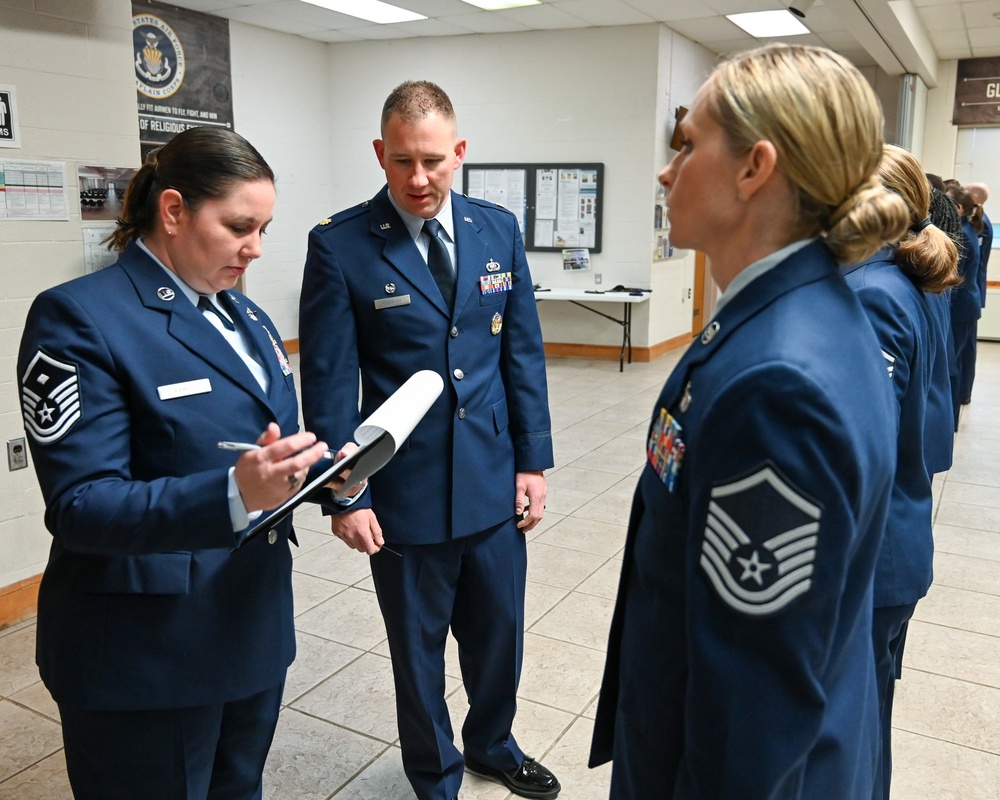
50,398
760,542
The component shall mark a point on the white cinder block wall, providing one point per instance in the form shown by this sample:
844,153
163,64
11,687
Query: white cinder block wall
71,66
280,105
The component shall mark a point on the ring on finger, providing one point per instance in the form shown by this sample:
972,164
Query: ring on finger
293,481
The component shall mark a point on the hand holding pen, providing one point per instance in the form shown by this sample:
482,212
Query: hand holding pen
331,455
274,468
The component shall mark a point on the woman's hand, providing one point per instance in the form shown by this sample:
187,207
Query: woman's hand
268,477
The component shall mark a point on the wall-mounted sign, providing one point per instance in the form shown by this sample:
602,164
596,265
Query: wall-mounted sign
182,71
9,134
977,92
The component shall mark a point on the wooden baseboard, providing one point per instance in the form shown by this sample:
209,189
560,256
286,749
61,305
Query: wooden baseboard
291,345
606,352
19,601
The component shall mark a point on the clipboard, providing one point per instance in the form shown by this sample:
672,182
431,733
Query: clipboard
378,439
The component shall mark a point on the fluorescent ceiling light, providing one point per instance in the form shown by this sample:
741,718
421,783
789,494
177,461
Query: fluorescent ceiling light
499,5
767,24
371,10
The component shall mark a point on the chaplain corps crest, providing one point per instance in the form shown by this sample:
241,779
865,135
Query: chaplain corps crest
760,541
159,56
50,398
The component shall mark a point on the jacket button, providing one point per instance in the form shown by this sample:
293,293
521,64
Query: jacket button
272,536
458,374
461,413
454,333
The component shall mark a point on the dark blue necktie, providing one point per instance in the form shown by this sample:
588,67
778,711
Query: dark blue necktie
439,262
204,304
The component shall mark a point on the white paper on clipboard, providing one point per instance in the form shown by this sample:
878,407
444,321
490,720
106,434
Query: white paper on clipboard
378,439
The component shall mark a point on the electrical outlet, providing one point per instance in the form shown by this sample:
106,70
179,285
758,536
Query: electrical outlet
17,454
597,278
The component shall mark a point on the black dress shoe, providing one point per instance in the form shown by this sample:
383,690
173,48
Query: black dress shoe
530,779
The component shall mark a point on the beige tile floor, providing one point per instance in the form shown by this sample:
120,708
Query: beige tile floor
337,735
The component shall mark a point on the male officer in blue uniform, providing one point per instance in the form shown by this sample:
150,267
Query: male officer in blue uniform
387,292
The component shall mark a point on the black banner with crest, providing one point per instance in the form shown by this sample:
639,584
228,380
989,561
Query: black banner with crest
183,75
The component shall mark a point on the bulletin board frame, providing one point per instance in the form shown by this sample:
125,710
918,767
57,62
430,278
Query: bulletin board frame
543,197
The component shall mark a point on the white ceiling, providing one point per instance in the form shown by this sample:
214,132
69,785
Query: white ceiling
897,35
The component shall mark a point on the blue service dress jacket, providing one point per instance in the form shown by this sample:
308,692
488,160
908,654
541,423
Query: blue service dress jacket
147,602
966,302
939,430
369,303
905,328
985,246
740,659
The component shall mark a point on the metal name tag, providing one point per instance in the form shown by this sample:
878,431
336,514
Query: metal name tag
392,302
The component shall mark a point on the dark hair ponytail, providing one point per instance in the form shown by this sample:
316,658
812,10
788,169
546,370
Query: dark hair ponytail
199,163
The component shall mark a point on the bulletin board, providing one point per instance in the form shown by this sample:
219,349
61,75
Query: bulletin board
558,206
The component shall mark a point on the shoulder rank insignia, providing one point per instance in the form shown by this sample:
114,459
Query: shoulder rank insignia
760,542
50,398
325,221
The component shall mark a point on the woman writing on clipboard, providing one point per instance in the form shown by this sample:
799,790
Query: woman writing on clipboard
163,641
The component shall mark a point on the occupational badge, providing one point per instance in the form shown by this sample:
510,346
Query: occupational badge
50,398
496,324
760,540
492,266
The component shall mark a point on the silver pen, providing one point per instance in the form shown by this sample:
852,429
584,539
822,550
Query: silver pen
247,446
241,446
